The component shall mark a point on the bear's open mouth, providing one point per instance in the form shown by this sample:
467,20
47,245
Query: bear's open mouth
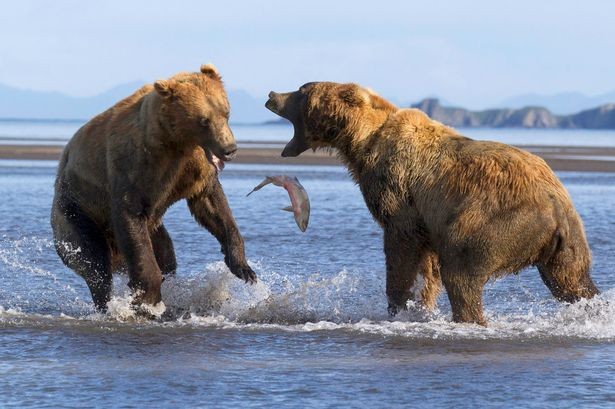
216,161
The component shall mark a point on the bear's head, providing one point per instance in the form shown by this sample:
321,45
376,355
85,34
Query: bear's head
195,109
325,114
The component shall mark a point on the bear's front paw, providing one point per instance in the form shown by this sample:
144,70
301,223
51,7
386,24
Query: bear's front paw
245,273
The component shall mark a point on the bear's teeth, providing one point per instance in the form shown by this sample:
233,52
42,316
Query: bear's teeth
217,162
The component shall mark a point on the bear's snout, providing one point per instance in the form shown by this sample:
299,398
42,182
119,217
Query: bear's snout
229,152
272,103
277,103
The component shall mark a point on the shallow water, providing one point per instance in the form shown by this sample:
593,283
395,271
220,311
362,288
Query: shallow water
24,132
312,332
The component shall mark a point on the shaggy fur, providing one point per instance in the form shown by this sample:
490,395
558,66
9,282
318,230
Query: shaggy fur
470,210
123,169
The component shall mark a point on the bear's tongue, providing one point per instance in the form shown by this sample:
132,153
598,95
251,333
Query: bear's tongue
217,162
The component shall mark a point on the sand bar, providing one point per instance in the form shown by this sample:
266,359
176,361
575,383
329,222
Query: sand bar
568,158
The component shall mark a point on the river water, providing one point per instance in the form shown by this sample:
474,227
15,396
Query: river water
312,332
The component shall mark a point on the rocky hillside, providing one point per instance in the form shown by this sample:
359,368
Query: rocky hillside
602,117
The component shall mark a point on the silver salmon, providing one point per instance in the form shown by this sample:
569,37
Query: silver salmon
300,203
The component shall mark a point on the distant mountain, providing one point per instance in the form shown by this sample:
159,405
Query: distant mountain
247,109
21,104
602,117
560,104
26,104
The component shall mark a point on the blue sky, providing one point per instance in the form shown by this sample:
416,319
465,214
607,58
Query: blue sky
474,53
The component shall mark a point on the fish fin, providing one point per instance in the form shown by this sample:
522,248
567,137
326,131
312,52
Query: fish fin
288,209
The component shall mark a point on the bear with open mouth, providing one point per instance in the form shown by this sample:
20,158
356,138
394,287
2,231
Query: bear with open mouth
451,207
124,168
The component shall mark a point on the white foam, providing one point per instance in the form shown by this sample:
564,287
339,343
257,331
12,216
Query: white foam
345,302
217,299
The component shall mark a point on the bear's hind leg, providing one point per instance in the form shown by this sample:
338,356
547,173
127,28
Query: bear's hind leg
432,280
406,258
465,293
164,251
83,248
565,269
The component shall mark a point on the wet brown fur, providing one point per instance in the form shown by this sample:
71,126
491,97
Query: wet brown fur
468,210
123,169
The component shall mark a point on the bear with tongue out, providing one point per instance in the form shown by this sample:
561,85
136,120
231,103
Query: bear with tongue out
123,169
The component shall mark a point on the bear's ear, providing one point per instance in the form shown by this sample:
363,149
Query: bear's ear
164,88
353,95
380,103
210,71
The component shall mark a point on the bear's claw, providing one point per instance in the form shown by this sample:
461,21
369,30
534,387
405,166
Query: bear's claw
246,274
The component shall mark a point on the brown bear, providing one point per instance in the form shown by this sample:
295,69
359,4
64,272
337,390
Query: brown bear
123,169
475,209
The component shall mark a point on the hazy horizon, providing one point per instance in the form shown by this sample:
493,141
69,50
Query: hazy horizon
473,54
136,83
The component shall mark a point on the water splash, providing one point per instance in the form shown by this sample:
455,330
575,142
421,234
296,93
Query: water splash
347,301
32,282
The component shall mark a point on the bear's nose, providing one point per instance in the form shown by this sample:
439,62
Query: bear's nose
229,151
273,103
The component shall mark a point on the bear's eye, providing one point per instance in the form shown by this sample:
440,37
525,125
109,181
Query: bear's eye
331,133
204,121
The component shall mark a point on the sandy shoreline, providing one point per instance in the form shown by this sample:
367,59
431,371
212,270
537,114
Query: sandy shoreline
567,158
